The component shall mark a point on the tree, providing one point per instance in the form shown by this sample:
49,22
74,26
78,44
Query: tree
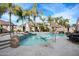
64,22
2,9
9,8
43,23
18,11
27,14
60,21
34,14
50,20
56,19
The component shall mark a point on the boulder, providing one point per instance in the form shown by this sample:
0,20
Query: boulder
14,41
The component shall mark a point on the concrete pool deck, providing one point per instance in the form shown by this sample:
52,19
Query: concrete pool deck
62,47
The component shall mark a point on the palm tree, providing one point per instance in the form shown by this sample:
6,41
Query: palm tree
56,20
64,22
50,20
35,13
60,21
44,23
28,14
9,8
2,9
18,11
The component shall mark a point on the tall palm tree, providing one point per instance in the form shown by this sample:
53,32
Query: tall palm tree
50,20
35,14
60,21
2,9
34,11
28,14
64,22
43,20
56,20
18,11
9,8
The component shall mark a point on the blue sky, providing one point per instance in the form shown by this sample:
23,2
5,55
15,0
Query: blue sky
67,10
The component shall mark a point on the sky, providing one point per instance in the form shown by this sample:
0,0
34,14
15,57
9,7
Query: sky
67,10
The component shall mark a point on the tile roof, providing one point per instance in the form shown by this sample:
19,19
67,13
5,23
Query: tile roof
2,22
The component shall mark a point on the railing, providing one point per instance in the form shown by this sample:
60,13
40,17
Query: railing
4,44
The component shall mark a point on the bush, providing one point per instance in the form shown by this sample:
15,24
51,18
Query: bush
19,30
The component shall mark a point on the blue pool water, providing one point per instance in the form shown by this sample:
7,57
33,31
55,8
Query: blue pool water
39,38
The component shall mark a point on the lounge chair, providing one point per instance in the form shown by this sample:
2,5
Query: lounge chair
61,32
73,37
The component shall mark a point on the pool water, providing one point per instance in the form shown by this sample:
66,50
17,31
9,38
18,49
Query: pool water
38,39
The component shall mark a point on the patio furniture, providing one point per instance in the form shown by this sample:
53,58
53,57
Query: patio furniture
61,32
73,37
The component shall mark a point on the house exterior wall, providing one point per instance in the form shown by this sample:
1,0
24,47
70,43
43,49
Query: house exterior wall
61,29
5,28
77,25
71,29
27,28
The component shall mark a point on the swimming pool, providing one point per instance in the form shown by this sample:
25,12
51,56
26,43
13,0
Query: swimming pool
38,39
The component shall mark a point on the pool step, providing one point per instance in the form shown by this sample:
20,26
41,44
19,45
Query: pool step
4,41
4,44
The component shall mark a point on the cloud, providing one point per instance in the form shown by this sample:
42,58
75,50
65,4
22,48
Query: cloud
58,10
5,17
54,7
25,5
65,14
72,14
